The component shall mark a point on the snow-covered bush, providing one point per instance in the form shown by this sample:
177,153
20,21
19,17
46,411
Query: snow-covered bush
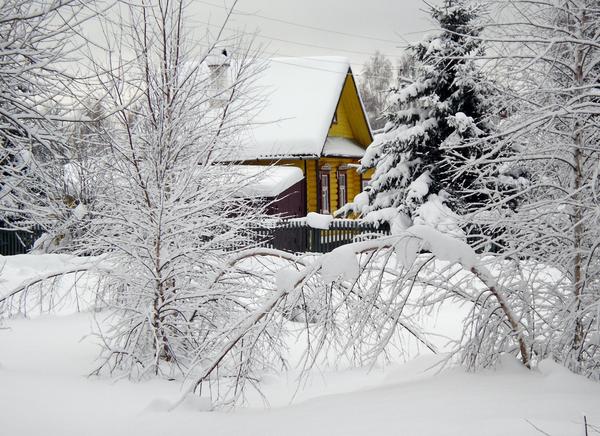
372,295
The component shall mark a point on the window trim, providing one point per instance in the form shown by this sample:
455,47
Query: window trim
324,172
342,187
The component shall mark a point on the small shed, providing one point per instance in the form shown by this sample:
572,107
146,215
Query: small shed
282,188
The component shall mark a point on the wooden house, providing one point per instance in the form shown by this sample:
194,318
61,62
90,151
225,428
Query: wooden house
311,118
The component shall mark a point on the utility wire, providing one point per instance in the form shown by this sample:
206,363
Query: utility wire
279,54
289,41
280,58
305,26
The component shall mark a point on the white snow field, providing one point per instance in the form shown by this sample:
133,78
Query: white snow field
45,390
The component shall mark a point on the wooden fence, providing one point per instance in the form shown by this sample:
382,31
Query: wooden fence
17,241
295,235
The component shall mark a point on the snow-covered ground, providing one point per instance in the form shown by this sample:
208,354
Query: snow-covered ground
44,390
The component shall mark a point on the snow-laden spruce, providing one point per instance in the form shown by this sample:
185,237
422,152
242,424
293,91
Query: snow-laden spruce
429,125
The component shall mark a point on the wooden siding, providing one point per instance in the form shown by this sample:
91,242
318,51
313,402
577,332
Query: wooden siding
311,186
290,203
352,180
342,127
352,122
368,175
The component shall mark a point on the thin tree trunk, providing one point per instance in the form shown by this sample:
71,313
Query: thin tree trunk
577,217
490,283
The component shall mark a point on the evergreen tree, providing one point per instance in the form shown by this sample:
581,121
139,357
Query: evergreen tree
433,128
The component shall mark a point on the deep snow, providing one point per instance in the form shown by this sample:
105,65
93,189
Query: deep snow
44,390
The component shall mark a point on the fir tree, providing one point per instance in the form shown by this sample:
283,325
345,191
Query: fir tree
432,130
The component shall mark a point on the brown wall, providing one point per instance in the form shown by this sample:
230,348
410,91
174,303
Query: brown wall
291,203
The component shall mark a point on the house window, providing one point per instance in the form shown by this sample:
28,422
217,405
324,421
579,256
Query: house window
342,188
364,183
324,182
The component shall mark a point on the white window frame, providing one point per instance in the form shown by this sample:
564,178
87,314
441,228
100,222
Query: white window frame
342,188
325,205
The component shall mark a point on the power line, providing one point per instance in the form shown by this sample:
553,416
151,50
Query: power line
305,44
305,26
288,60
285,59
316,45
309,67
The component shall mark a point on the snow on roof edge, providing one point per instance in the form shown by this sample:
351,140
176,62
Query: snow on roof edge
301,96
337,146
269,181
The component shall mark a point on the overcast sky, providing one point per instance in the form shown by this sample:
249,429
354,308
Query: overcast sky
351,28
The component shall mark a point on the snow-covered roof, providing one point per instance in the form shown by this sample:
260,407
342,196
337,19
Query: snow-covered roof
301,96
268,181
342,147
251,180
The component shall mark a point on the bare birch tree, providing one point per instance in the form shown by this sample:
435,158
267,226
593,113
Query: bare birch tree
169,208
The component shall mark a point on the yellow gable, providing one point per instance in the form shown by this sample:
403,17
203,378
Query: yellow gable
350,120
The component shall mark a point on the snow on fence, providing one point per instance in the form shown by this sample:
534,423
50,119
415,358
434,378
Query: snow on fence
297,235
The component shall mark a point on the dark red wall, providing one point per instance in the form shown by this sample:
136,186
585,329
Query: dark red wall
291,203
